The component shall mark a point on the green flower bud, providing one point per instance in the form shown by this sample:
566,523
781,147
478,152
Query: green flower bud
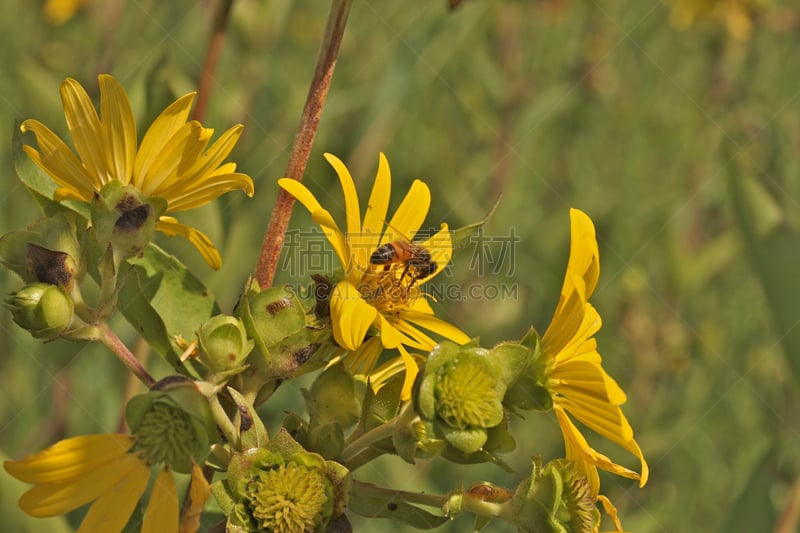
44,310
554,499
460,393
276,320
172,424
124,218
223,344
282,488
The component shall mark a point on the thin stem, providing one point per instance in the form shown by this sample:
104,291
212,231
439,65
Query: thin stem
222,420
113,343
303,140
213,53
142,354
355,454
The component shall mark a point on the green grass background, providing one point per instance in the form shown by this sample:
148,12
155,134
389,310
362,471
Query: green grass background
681,146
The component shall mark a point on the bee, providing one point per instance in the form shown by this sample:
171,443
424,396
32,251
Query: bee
417,260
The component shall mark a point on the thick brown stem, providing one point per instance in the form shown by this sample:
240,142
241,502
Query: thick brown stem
303,140
212,57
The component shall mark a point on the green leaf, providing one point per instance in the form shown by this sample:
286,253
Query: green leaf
373,502
162,299
773,245
463,235
39,183
753,509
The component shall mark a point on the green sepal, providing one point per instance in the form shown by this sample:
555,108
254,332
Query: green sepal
251,429
332,397
379,407
123,217
462,236
39,184
162,299
513,359
224,495
47,251
326,439
372,502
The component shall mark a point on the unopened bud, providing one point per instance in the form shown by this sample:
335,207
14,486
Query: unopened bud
44,310
223,344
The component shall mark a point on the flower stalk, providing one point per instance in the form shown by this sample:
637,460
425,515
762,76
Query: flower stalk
110,340
213,52
303,140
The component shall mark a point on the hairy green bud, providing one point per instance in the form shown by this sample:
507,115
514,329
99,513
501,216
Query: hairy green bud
44,310
223,345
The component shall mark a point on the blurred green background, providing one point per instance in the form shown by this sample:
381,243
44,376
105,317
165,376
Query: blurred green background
680,144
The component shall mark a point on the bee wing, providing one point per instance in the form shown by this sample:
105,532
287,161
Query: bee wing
440,245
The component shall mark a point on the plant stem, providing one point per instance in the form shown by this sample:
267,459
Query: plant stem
374,435
113,343
303,140
221,419
213,52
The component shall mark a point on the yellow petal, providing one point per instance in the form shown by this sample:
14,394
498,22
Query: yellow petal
170,226
199,491
436,325
59,498
161,514
204,192
69,459
112,510
351,207
586,458
117,128
611,511
55,158
584,256
84,126
415,338
351,316
210,160
336,238
362,360
381,375
411,373
377,208
319,215
410,213
391,336
160,132
166,162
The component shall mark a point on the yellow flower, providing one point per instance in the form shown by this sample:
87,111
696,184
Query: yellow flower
576,379
735,15
58,12
172,162
382,297
102,469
